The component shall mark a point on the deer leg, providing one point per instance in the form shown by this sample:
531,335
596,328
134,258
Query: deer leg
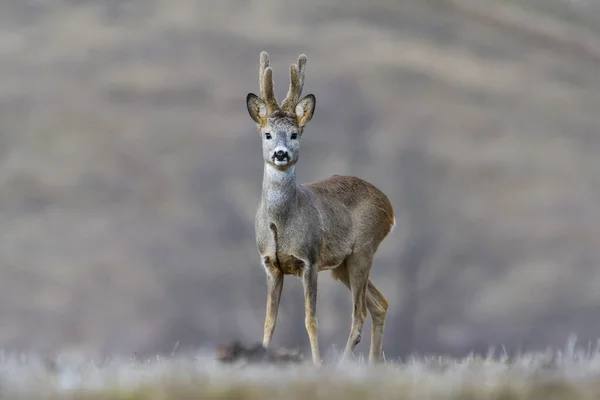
309,281
358,277
274,288
377,305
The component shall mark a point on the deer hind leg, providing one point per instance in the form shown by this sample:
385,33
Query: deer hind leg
357,278
377,306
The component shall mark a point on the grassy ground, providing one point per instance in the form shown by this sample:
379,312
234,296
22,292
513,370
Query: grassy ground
566,374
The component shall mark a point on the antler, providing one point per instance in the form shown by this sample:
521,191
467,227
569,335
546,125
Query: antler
296,84
267,91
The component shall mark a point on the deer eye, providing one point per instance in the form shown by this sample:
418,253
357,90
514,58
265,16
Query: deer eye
268,136
294,136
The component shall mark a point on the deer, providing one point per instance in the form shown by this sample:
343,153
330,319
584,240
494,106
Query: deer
334,224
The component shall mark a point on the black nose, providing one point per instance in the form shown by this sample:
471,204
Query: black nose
280,155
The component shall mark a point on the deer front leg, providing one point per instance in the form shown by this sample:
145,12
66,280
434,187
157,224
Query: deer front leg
309,281
274,288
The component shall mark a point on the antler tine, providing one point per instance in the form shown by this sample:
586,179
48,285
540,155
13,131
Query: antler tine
269,98
301,68
296,84
264,63
267,91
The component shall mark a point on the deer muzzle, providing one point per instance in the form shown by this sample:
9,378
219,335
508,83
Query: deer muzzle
281,157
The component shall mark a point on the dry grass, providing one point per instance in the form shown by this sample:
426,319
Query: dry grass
566,374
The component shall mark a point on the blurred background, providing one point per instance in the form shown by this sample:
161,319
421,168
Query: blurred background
130,171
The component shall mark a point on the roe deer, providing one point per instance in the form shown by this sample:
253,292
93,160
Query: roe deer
334,224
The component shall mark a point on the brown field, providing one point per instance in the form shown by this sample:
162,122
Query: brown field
130,173
570,374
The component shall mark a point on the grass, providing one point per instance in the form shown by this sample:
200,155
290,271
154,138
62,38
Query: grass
569,373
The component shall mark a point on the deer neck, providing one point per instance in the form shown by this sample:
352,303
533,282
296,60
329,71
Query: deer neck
279,190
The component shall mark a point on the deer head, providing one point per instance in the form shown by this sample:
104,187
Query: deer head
281,126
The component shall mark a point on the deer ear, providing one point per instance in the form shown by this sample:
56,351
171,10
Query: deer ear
305,110
256,108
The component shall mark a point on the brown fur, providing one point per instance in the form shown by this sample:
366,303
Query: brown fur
334,224
369,205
